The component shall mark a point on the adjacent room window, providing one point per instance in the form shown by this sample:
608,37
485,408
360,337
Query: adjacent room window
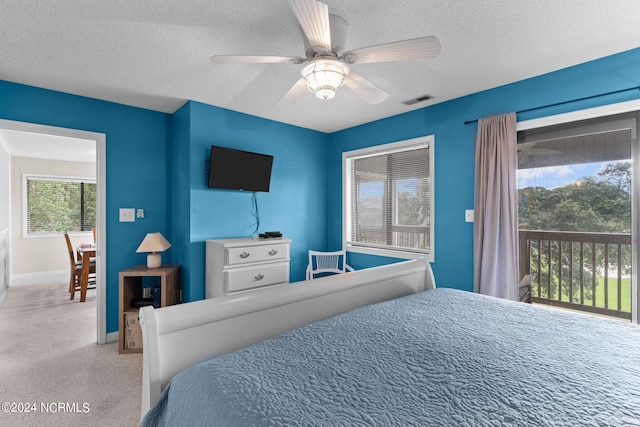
388,199
54,205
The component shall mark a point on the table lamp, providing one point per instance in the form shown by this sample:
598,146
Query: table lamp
154,242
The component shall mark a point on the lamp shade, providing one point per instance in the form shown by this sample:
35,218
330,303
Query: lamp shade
154,242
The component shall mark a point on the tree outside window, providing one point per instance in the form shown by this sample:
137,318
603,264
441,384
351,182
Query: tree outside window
56,205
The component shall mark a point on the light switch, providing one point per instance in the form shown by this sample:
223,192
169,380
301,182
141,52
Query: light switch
140,213
127,215
468,215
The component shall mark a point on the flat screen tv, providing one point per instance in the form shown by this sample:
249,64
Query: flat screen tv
239,170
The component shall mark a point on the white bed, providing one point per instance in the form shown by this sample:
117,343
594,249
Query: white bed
176,337
384,347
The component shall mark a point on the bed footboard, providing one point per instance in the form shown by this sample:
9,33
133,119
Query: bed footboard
175,337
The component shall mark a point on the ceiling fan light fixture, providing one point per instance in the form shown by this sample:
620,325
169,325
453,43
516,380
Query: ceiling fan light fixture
323,76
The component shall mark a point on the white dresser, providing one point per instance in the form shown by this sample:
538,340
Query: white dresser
236,265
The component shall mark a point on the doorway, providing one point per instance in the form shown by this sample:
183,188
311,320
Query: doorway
100,164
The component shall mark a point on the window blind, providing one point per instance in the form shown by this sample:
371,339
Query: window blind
389,200
57,205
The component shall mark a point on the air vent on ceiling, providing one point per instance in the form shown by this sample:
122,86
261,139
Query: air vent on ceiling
418,99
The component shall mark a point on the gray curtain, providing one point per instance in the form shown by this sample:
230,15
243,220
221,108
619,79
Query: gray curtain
495,252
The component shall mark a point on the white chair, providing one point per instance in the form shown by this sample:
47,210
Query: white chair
327,263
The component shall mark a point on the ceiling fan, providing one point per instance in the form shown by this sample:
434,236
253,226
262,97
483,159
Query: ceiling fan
325,66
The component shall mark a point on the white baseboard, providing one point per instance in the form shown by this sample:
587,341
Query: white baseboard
112,337
58,276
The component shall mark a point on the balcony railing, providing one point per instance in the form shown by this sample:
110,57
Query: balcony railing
581,271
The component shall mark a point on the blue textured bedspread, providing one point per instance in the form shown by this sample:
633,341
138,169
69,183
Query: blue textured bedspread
439,358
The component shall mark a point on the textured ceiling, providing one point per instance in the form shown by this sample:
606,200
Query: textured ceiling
155,54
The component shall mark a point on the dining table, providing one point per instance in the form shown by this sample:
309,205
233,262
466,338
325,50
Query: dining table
85,252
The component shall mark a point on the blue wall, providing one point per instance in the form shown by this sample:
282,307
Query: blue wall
455,148
137,175
295,204
157,162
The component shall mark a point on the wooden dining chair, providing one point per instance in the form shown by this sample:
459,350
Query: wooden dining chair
75,280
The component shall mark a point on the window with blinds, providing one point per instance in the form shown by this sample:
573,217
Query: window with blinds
389,198
55,205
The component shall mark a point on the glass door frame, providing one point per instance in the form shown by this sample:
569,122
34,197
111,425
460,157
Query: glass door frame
592,113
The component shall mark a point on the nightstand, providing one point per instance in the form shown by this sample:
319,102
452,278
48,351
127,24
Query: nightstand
131,286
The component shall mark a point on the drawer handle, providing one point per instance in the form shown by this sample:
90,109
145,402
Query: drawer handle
244,255
273,252
259,277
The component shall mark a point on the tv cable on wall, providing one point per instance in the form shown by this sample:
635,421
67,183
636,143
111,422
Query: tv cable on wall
256,213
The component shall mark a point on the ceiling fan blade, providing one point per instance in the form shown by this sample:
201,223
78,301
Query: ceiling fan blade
313,18
238,59
365,89
293,94
404,50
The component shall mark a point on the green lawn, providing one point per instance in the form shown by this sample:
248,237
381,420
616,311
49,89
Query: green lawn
625,301
625,298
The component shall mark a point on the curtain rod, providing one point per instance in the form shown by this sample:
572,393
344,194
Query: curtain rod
567,102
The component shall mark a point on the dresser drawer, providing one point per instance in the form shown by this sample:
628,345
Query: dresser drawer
245,263
256,276
250,254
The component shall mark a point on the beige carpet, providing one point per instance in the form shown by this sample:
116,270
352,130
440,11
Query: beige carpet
49,360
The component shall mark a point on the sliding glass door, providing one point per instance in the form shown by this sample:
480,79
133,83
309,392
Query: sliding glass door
577,209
